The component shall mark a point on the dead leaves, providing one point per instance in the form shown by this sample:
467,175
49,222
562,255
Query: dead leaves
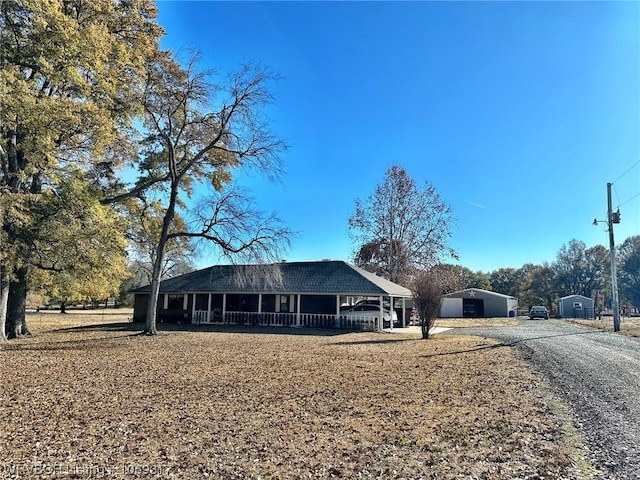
278,406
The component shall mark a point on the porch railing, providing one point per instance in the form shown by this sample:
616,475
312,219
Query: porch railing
310,320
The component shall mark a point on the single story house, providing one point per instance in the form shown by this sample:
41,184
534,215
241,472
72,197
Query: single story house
478,303
576,306
301,294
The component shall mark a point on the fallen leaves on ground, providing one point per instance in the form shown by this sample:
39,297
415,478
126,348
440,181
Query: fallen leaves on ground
103,402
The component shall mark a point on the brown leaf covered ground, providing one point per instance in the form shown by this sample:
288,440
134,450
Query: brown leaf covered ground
628,325
104,402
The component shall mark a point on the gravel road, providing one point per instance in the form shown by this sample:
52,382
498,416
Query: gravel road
596,374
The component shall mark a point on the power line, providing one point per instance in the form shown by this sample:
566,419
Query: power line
628,170
628,200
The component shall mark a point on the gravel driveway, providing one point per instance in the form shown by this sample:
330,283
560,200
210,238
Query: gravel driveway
596,374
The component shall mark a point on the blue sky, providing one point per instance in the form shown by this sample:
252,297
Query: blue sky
519,113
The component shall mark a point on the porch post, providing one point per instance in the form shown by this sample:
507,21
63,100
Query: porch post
404,312
224,307
381,319
298,310
209,309
193,309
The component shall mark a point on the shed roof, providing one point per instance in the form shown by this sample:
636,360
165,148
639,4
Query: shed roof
575,296
323,277
471,292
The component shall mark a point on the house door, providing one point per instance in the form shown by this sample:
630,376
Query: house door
473,308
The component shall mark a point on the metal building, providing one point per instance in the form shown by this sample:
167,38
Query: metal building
478,303
576,306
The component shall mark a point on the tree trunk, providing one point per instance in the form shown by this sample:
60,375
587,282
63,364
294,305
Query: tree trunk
425,330
4,298
150,324
16,305
63,307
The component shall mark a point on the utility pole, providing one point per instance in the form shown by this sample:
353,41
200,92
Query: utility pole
613,218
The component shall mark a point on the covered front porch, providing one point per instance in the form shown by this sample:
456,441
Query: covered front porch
288,310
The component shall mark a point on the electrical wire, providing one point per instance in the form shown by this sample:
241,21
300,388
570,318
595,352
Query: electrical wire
629,199
628,170
616,191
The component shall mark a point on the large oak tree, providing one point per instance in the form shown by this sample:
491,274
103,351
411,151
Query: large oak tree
70,73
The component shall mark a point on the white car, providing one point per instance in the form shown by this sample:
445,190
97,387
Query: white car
369,311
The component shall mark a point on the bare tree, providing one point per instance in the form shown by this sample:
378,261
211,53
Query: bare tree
401,227
428,287
196,134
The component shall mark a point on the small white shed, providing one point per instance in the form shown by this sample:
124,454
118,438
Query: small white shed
576,306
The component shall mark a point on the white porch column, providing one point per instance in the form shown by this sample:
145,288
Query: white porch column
193,309
404,312
209,309
298,310
391,311
224,307
381,319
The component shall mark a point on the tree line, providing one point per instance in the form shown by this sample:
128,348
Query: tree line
577,270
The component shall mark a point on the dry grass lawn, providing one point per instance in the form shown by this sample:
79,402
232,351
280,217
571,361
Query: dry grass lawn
628,325
103,402
475,322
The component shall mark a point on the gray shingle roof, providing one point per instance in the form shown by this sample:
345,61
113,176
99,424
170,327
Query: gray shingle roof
326,277
480,291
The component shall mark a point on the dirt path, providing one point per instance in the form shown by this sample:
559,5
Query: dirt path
597,375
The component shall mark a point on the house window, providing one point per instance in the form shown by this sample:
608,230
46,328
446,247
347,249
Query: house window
175,302
285,303
288,303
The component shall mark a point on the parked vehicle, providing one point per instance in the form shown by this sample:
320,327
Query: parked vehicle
369,310
386,305
538,311
470,311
